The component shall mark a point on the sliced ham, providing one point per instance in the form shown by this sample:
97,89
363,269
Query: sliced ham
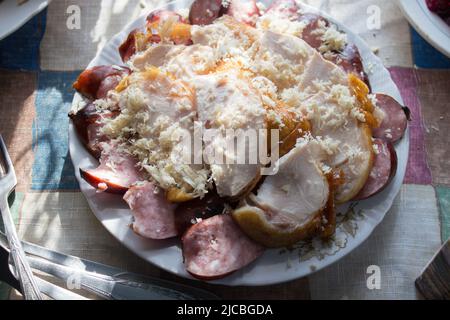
96,82
116,173
204,12
384,169
395,119
245,11
154,216
217,247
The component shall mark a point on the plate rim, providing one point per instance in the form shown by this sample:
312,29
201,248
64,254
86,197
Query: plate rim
28,16
239,280
413,10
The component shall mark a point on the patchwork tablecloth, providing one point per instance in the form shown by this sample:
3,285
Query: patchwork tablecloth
39,63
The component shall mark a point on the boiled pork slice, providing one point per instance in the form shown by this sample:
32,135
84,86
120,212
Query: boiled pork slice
157,122
226,100
183,62
348,142
321,91
288,206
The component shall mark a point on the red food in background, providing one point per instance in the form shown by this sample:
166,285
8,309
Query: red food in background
440,7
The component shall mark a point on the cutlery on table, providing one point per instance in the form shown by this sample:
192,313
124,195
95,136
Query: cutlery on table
21,268
102,280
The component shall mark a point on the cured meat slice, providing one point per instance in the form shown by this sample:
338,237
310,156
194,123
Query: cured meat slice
244,11
204,12
154,216
163,15
395,120
87,122
349,58
136,41
116,173
384,169
312,23
188,213
351,62
217,247
284,8
96,82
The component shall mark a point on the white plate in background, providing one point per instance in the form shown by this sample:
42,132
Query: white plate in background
428,24
13,16
274,266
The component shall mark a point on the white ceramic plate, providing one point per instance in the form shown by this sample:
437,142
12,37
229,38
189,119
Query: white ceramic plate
428,24
13,16
274,266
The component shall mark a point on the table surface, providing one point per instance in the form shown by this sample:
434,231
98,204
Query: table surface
39,62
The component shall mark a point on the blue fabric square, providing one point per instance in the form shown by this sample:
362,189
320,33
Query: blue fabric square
20,50
425,56
52,167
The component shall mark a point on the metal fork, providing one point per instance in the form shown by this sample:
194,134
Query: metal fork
22,270
102,280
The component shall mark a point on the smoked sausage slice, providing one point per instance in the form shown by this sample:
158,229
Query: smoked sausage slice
116,173
204,12
154,216
395,120
96,82
216,247
384,169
